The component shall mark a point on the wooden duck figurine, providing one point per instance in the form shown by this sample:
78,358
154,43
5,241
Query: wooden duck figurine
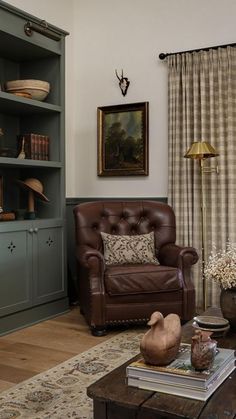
160,345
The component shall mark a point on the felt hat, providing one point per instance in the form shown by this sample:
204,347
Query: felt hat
32,184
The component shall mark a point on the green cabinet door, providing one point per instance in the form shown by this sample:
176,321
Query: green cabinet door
15,270
48,264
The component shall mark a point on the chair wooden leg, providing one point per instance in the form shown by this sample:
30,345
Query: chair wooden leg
98,331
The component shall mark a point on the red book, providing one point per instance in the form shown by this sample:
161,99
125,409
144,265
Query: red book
47,154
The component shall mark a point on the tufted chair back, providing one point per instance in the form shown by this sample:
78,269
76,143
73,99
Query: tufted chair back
123,217
130,293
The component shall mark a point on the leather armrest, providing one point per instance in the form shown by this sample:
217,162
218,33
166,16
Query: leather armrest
84,253
177,256
92,260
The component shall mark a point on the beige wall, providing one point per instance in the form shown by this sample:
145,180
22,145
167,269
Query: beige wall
128,34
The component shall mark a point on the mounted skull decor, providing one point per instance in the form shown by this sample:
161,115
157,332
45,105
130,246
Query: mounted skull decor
123,83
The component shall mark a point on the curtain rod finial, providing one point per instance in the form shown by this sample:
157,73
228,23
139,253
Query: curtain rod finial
162,56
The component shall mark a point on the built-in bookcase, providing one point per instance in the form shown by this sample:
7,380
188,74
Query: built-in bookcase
32,252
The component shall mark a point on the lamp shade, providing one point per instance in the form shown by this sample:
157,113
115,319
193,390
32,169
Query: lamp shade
201,150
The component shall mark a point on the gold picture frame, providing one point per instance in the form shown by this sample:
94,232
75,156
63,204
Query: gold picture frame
123,140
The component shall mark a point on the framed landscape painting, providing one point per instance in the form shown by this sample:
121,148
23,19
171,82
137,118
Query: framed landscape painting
123,140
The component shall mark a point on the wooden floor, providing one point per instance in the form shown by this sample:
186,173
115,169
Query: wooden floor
35,349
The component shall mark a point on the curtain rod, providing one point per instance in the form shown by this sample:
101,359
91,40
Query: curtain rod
162,56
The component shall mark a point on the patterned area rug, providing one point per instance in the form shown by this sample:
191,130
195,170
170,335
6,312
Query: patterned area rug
61,391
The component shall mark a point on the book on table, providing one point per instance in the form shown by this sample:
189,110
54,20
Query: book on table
180,389
180,373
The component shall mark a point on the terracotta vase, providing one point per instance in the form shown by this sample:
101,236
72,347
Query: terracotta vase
228,305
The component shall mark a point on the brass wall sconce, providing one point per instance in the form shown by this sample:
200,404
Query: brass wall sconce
123,83
202,150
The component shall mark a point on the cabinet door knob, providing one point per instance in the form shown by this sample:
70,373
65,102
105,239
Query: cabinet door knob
36,230
31,230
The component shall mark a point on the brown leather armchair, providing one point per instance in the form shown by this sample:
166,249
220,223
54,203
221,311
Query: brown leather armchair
124,294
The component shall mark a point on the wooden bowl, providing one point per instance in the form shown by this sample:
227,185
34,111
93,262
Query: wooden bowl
36,89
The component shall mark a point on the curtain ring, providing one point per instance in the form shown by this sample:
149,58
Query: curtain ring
44,24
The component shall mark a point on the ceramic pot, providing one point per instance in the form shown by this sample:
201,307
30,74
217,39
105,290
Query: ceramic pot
228,305
203,350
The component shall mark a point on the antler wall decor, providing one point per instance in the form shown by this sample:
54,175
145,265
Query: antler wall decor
123,83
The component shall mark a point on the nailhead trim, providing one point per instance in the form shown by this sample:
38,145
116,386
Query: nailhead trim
132,321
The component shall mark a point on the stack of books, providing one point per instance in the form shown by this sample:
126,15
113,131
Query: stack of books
35,146
179,377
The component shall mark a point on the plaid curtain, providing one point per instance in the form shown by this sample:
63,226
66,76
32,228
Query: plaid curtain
202,107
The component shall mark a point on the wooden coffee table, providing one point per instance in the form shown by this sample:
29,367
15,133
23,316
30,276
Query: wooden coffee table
113,399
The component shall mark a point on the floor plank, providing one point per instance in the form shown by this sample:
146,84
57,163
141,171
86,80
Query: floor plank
37,348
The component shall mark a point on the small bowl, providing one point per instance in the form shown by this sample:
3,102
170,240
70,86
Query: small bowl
216,332
36,89
211,321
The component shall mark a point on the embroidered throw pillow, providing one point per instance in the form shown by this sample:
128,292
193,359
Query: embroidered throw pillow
129,249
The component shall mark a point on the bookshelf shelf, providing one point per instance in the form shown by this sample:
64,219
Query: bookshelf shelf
14,162
32,250
12,104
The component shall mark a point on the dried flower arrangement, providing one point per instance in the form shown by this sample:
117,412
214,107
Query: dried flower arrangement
222,267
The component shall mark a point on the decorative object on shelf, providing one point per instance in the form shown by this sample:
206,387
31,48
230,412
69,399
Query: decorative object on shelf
203,350
21,154
123,140
221,268
160,345
123,83
37,89
34,187
7,216
228,305
4,151
7,152
202,150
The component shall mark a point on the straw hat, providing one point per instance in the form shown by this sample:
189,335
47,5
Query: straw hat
34,185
